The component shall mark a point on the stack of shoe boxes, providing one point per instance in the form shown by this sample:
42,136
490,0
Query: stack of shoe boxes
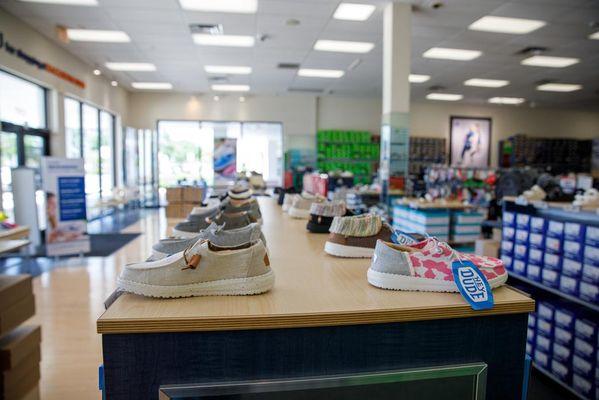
465,226
432,222
560,255
562,340
182,199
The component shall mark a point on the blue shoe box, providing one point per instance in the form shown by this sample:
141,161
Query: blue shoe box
561,370
563,337
529,348
538,225
533,271
519,267
532,320
552,261
546,311
571,268
591,254
590,273
583,368
541,358
507,247
509,218
536,241
586,329
535,256
543,343
508,261
521,236
568,285
521,252
544,327
523,221
574,231
582,385
553,245
572,250
555,229
585,351
509,233
564,318
591,235
588,291
530,335
562,353
550,277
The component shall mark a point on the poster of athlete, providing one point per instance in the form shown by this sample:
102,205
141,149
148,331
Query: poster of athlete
469,142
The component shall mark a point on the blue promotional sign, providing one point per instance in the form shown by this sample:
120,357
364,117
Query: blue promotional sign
472,284
71,192
400,237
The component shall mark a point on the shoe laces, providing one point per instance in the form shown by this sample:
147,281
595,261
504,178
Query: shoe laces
194,261
440,245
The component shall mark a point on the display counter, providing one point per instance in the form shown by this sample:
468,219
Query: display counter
321,318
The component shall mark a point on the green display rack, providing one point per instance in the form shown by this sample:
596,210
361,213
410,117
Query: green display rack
353,151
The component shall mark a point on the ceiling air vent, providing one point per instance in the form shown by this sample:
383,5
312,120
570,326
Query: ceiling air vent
304,90
532,50
288,66
218,79
212,29
437,88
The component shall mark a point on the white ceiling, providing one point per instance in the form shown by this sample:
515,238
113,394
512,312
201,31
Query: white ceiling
159,30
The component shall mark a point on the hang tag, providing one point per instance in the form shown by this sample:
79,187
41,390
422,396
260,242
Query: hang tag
473,285
403,238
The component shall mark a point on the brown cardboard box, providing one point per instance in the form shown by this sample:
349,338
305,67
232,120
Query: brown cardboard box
18,344
487,247
13,289
173,210
174,194
34,394
192,194
16,314
186,208
12,377
23,387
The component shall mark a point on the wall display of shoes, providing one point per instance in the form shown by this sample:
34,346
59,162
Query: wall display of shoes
353,151
554,254
474,186
424,152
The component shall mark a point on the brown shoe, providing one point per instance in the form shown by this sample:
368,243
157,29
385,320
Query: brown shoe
356,236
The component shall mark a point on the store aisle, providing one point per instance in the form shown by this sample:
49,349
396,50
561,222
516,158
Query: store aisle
69,299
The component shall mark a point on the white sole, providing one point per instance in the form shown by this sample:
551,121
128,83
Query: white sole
184,234
401,282
340,250
299,213
225,287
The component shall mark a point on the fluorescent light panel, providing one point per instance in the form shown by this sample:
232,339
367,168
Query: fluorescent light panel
226,6
444,96
415,78
451,54
96,35
66,2
320,73
507,100
490,83
559,87
354,11
230,88
342,46
551,62
126,66
204,39
516,26
228,69
594,36
152,85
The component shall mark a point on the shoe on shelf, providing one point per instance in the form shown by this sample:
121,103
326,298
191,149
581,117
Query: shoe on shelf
250,205
215,234
288,201
356,236
590,199
202,270
322,214
240,191
208,209
190,229
535,193
426,266
300,207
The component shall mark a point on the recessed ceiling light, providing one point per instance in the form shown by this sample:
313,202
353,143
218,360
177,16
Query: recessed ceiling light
230,88
594,36
66,2
241,99
559,87
126,66
215,98
228,69
506,100
114,83
343,46
320,73
415,78
354,11
223,40
516,26
227,6
96,35
444,96
551,62
491,83
451,54
97,72
152,85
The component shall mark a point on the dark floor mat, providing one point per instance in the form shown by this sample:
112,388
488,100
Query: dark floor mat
104,244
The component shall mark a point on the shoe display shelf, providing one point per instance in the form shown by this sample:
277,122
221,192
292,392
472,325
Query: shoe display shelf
322,319
553,253
353,151
424,152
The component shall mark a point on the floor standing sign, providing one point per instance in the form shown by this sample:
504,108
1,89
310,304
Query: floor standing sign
64,186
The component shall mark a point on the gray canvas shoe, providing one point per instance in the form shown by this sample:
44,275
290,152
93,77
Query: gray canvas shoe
202,270
190,229
250,206
215,234
206,210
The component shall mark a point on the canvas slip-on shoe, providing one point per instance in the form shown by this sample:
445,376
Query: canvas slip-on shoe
426,266
202,270
356,236
300,208
190,229
322,215
250,206
215,234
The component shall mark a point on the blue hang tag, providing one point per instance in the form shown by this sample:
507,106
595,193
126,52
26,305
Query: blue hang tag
399,237
472,284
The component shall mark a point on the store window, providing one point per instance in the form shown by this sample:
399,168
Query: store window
22,102
72,122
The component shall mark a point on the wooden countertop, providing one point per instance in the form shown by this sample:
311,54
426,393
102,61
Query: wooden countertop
7,246
311,289
20,232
